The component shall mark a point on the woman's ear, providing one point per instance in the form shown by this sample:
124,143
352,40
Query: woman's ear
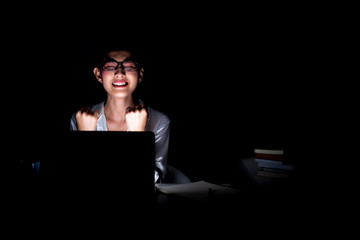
141,75
97,74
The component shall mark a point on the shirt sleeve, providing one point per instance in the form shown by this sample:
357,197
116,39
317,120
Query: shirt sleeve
73,126
162,134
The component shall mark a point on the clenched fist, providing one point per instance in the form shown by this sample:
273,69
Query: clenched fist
136,118
86,119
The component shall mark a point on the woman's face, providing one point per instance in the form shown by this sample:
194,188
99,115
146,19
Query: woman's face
119,75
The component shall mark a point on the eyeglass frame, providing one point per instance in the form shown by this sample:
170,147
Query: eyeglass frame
101,66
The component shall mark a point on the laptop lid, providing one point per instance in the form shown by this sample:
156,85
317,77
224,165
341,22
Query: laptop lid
102,167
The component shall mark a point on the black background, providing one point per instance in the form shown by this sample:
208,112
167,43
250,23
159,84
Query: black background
230,80
280,88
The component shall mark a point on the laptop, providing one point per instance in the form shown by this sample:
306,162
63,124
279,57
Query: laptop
101,168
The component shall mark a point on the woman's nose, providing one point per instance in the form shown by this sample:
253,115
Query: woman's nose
120,71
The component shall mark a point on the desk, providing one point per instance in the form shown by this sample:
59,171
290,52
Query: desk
192,204
196,193
245,210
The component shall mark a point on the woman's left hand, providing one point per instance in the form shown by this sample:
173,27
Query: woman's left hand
136,118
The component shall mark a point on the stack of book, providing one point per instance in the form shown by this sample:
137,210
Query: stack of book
271,163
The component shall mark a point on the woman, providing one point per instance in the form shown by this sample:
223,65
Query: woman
120,72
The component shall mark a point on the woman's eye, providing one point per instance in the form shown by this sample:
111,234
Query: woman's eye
130,68
110,68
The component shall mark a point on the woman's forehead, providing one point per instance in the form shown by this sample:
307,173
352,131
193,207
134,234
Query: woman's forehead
119,55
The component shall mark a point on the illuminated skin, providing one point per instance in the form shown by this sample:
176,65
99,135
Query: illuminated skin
119,100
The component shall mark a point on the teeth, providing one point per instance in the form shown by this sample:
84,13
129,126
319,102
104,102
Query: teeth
119,84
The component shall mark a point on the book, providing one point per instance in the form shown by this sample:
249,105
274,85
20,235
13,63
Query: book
269,151
273,174
275,170
263,160
272,154
276,166
278,157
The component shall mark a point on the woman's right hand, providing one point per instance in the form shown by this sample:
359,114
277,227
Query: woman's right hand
86,119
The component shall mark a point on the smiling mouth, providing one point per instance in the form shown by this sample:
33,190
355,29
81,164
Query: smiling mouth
119,84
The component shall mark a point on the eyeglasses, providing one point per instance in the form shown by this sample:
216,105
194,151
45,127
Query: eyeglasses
113,65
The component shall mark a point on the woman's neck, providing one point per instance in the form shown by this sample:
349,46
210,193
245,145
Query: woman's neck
115,108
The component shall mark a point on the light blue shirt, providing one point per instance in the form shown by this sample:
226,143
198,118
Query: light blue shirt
157,122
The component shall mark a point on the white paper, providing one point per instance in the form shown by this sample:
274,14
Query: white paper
200,190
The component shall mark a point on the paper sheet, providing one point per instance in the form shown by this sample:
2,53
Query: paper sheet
200,190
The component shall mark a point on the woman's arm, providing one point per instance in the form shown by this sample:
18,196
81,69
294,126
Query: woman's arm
162,135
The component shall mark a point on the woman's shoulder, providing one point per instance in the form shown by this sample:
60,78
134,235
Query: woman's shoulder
157,118
97,106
